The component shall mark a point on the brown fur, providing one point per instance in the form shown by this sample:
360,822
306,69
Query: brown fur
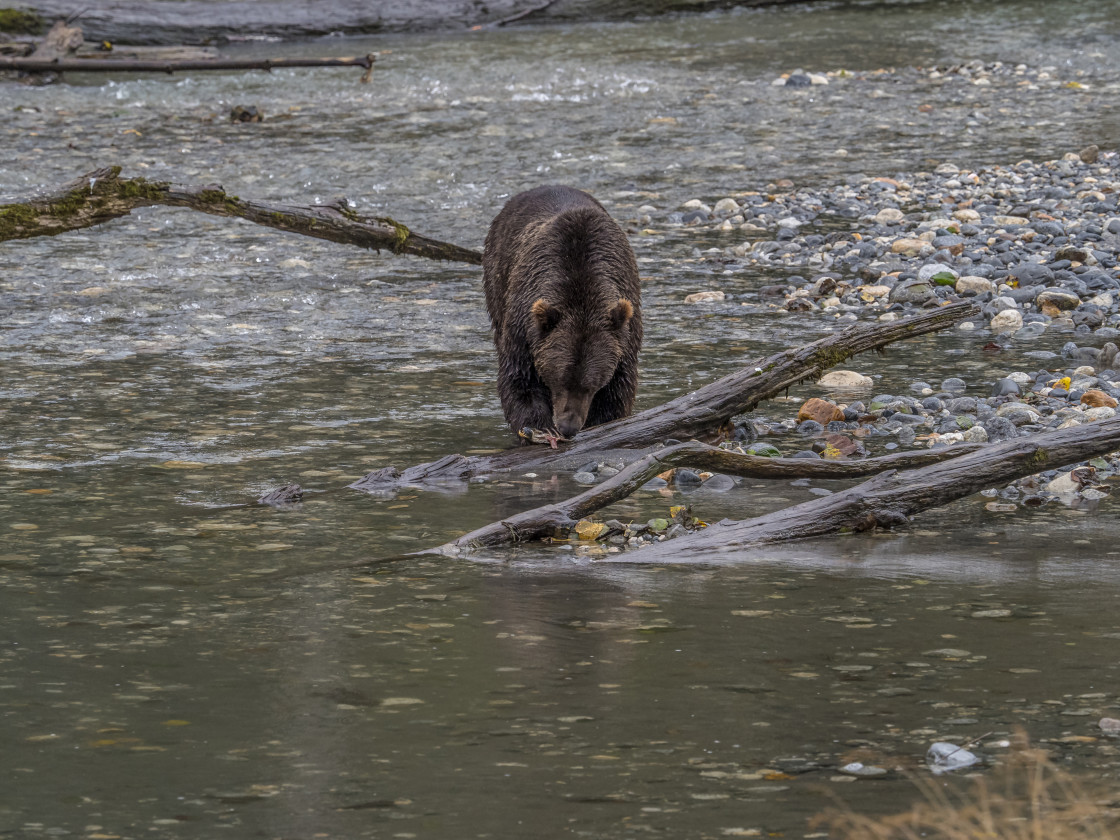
564,298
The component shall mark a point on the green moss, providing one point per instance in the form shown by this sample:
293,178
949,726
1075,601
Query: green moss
402,234
826,357
1040,457
212,196
21,22
15,217
139,188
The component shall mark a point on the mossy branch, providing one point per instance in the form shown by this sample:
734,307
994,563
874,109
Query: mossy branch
102,195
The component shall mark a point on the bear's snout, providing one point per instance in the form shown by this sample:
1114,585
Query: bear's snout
569,412
569,425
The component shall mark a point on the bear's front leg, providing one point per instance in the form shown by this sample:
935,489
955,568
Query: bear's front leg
525,400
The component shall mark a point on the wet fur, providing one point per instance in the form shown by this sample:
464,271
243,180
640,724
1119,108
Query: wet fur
564,299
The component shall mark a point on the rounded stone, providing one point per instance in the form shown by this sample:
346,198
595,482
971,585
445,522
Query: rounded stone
1009,320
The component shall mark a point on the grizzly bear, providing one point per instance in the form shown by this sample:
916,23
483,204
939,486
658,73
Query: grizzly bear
565,301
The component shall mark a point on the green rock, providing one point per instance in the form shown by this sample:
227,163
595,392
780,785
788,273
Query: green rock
944,278
965,421
764,450
659,525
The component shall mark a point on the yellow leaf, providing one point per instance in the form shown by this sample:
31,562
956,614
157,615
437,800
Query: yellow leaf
588,530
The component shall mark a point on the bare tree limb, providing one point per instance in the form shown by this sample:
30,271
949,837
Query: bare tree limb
703,414
543,521
101,195
890,499
33,64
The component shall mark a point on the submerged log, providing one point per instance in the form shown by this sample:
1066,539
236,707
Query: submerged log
101,195
703,414
543,521
888,500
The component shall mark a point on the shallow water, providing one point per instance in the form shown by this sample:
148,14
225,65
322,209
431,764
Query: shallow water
171,669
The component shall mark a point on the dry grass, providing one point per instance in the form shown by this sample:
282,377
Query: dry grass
1029,798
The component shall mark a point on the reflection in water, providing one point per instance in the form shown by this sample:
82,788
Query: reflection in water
170,668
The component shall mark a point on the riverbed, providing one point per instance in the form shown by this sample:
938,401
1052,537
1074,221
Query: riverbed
170,668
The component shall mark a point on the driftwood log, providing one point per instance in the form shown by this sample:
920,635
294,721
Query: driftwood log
703,414
546,520
102,195
64,49
887,500
33,64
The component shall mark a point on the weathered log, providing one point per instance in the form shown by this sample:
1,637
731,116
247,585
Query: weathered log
890,499
885,501
36,64
703,414
101,195
542,521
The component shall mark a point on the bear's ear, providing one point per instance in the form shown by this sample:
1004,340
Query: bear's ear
545,315
621,313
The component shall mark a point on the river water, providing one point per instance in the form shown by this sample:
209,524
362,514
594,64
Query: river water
172,669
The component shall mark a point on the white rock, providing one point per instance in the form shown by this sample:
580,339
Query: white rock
727,205
789,222
966,326
966,215
975,434
974,284
818,79
1100,413
1063,485
1008,321
845,379
692,204
889,216
705,297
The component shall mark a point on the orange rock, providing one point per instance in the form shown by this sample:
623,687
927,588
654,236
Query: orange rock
1097,399
820,410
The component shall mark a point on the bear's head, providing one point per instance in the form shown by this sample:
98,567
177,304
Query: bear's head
576,352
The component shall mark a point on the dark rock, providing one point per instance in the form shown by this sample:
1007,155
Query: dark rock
1005,387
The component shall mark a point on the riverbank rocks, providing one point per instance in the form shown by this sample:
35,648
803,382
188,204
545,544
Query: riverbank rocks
1041,239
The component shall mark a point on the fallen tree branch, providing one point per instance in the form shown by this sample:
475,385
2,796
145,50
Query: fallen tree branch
543,521
890,499
703,414
31,64
101,195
